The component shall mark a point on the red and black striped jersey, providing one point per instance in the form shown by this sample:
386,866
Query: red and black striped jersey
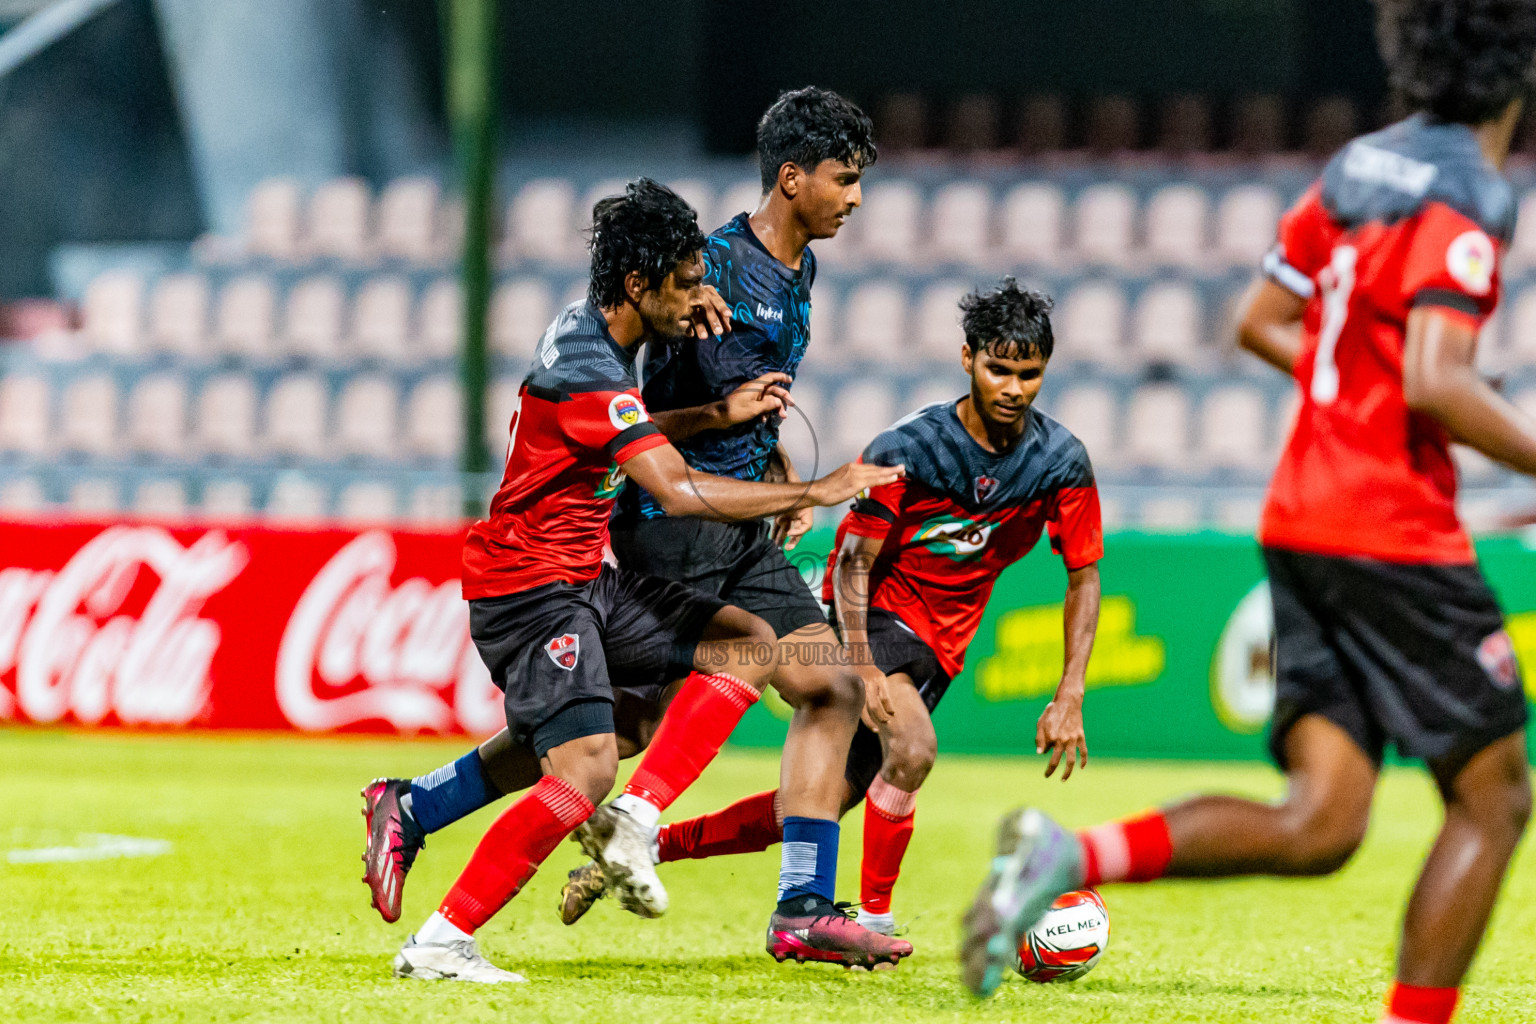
579,418
1410,216
963,514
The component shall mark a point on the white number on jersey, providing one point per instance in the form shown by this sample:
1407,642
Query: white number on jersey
1338,284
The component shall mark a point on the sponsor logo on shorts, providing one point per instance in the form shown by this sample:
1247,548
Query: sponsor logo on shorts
1497,656
1469,259
563,650
625,411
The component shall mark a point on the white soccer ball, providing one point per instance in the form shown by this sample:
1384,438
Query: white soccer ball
1069,940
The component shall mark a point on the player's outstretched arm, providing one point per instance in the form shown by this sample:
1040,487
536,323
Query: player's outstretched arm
767,395
1269,323
1060,729
683,491
1441,380
790,526
850,580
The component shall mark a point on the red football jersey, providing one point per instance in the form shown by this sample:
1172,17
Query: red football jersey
579,418
962,515
1411,216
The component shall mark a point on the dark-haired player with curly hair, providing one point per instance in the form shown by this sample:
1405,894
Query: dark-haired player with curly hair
911,571
1385,629
560,630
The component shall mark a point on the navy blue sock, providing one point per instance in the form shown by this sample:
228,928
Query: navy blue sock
808,862
442,797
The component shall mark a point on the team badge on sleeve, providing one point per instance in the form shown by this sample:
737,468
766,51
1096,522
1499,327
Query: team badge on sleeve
564,650
1470,259
625,411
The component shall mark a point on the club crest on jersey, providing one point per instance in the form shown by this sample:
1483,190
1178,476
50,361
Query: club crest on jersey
1497,656
625,411
1470,259
564,650
959,539
611,483
985,485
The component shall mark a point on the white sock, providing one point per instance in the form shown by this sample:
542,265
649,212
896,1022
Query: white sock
439,931
642,810
885,924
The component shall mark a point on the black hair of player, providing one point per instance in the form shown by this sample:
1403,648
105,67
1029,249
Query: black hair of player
648,230
1459,60
1009,321
809,125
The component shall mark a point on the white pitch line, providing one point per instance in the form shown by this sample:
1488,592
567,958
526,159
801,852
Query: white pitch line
94,847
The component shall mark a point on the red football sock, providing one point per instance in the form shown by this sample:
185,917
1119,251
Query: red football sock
1134,850
512,850
1410,1004
888,817
696,725
746,826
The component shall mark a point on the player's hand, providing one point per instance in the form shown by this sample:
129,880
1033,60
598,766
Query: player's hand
878,707
1060,731
711,314
767,395
850,479
791,526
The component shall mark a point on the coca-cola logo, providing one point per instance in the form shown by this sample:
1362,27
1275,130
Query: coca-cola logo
78,652
358,648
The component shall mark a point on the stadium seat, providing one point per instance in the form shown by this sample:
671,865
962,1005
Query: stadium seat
244,322
88,416
94,495
296,498
825,306
699,194
1184,125
1233,427
440,319
313,319
874,323
1114,126
861,411
742,197
540,222
1090,411
449,244
22,494
1525,401
160,498
1330,123
339,213
938,333
178,315
226,417
946,389
24,413
111,311
888,223
1472,466
1170,513
407,216
800,432
1032,216
1258,127
973,124
1091,323
1167,323
1157,428
434,419
521,310
1285,419
367,411
1106,215
435,505
500,405
1522,249
1239,514
1246,220
1176,225
961,222
901,123
157,416
272,219
381,316
1042,126
226,499
366,501
296,416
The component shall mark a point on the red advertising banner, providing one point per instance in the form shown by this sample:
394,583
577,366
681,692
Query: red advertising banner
143,624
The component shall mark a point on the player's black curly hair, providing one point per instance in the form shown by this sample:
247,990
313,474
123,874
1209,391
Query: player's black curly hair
806,126
1459,60
649,229
1010,321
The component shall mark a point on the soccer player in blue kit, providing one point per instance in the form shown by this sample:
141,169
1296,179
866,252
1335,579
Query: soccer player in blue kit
720,401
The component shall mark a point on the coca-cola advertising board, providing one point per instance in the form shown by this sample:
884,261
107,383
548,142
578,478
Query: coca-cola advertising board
151,625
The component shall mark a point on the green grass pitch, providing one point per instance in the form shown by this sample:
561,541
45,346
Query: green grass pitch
257,914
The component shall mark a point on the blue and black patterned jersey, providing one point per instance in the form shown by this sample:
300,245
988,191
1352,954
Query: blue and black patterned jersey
771,312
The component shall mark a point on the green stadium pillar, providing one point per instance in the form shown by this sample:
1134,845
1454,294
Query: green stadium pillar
472,89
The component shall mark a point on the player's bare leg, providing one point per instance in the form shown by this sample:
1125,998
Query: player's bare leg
908,747
1487,807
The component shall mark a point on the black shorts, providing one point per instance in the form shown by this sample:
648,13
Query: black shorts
561,645
894,648
1415,655
738,562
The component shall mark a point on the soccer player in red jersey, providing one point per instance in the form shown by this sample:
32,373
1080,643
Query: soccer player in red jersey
559,630
909,576
1385,629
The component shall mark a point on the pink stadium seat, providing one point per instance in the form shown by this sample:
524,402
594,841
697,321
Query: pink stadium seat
441,318
313,318
743,197
1171,513
295,498
1522,250
1167,323
1233,428
938,334
1042,125
1106,215
22,494
366,501
860,412
160,499
339,216
434,419
244,322
24,418
88,416
381,316
698,194
272,219
875,321
888,221
1157,427
111,312
520,312
825,342
961,222
974,124
500,404
226,499
1245,224
178,315
797,433
408,219
541,223
1091,412
1090,324
157,416
296,417
94,496
1176,222
1032,218
226,416
367,411
435,505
